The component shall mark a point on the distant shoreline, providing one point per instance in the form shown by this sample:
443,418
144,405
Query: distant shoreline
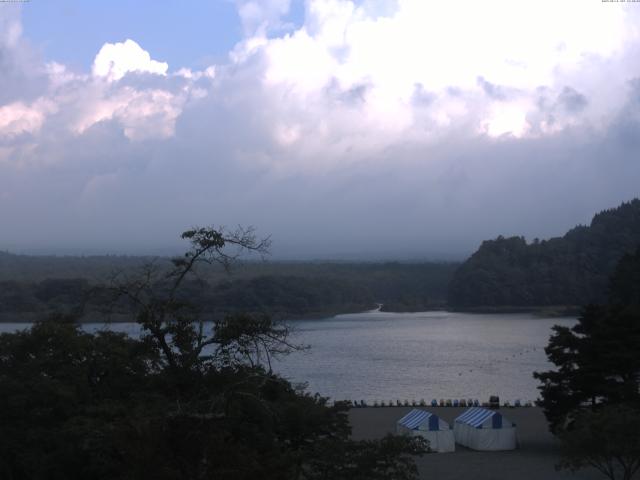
539,311
547,311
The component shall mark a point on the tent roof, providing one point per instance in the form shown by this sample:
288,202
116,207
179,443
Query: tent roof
476,416
415,418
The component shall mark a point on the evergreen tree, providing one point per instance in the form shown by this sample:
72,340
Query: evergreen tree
570,270
598,359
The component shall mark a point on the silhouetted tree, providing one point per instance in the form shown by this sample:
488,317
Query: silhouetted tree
606,440
598,359
592,399
187,400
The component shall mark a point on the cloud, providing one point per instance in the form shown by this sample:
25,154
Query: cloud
495,92
21,73
115,60
11,30
17,119
372,127
126,86
259,17
572,100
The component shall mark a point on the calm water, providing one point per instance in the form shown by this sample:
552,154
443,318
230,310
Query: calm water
389,356
384,356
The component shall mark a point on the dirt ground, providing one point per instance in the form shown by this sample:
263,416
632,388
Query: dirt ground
533,460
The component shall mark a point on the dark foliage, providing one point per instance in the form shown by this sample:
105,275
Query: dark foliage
178,403
282,290
288,295
571,270
597,360
606,440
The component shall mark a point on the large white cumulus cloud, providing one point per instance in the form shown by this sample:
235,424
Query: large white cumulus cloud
376,125
481,65
115,60
125,87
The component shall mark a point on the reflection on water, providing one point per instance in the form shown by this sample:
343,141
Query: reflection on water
388,356
385,356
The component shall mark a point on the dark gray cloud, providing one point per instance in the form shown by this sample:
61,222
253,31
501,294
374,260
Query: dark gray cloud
421,97
626,128
572,100
634,91
352,96
495,92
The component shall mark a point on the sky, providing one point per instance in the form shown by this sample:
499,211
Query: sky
372,129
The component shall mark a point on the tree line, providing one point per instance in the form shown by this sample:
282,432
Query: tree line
186,401
280,289
569,270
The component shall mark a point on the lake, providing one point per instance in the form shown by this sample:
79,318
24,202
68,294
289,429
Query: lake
387,356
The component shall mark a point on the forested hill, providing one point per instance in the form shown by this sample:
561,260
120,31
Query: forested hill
568,270
32,287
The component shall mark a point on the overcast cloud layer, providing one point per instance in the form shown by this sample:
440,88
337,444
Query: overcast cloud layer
396,129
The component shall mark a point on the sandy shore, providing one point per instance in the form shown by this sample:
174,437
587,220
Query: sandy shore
533,460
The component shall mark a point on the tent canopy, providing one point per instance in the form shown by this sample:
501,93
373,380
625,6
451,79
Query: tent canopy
482,429
422,420
420,423
478,417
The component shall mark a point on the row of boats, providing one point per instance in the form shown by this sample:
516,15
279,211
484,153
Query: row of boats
494,402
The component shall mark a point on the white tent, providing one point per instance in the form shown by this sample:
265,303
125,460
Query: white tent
482,429
431,427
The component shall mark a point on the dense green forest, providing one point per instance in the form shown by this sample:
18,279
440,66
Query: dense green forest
32,286
568,270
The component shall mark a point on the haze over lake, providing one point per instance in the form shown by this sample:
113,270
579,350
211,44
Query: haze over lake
387,356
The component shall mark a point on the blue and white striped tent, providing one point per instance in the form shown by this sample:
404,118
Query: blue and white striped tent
482,429
477,416
429,426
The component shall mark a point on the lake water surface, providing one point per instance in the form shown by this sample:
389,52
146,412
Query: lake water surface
387,356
